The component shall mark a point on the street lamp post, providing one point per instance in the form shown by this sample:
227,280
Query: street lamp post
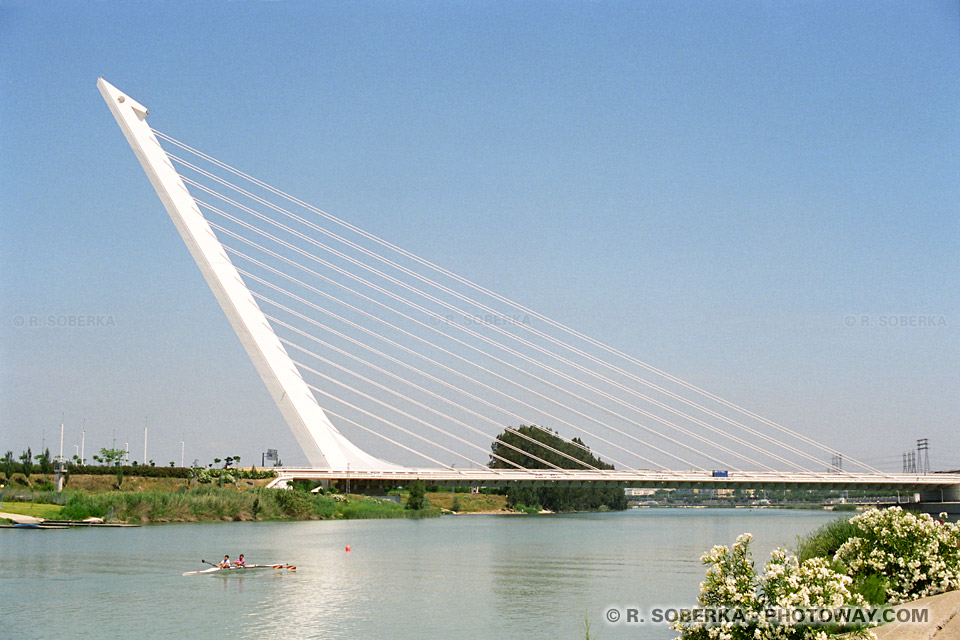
181,453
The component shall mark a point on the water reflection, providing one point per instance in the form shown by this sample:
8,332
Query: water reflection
465,577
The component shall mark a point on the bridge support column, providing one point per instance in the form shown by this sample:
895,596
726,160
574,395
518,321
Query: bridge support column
937,501
952,494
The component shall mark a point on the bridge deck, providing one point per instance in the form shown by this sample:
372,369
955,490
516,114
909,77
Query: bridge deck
668,479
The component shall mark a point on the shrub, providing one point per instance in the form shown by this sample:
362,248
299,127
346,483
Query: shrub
825,541
85,505
785,586
915,555
304,485
142,471
295,504
20,479
258,474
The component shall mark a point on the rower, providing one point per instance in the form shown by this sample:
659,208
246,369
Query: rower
226,563
240,561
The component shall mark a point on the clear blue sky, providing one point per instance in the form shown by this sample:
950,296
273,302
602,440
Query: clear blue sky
713,187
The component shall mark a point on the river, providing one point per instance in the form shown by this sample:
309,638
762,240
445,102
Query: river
525,577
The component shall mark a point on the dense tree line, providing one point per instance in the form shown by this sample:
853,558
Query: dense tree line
110,462
549,448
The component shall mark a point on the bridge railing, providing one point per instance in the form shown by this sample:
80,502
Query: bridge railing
688,478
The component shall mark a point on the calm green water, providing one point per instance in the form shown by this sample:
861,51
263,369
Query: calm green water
453,577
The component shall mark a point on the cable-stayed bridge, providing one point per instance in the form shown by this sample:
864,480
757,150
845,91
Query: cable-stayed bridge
419,370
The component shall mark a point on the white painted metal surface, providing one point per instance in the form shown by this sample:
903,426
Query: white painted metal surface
320,440
642,478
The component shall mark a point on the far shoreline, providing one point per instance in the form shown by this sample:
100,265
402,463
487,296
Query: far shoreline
170,500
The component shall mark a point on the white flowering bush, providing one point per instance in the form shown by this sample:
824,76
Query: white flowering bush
730,578
915,555
789,584
764,605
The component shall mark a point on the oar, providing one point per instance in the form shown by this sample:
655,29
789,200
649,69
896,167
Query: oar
210,563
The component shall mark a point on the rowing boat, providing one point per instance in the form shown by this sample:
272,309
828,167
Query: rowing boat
237,570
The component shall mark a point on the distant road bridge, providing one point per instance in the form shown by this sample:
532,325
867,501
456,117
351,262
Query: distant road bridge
638,479
939,491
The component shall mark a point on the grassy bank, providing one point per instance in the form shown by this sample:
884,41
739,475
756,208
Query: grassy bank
469,502
37,510
212,504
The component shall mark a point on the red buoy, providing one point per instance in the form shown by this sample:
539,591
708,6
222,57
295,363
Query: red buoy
348,547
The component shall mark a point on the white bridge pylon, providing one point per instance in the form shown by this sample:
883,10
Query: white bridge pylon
320,440
406,353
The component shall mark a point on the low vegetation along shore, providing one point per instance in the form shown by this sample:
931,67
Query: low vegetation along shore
205,504
157,500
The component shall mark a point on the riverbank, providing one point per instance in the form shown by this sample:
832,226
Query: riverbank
140,502
162,500
174,499
210,504
41,511
942,622
144,499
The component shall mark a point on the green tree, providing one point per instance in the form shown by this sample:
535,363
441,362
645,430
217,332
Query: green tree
114,457
9,463
550,449
44,462
417,499
26,462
